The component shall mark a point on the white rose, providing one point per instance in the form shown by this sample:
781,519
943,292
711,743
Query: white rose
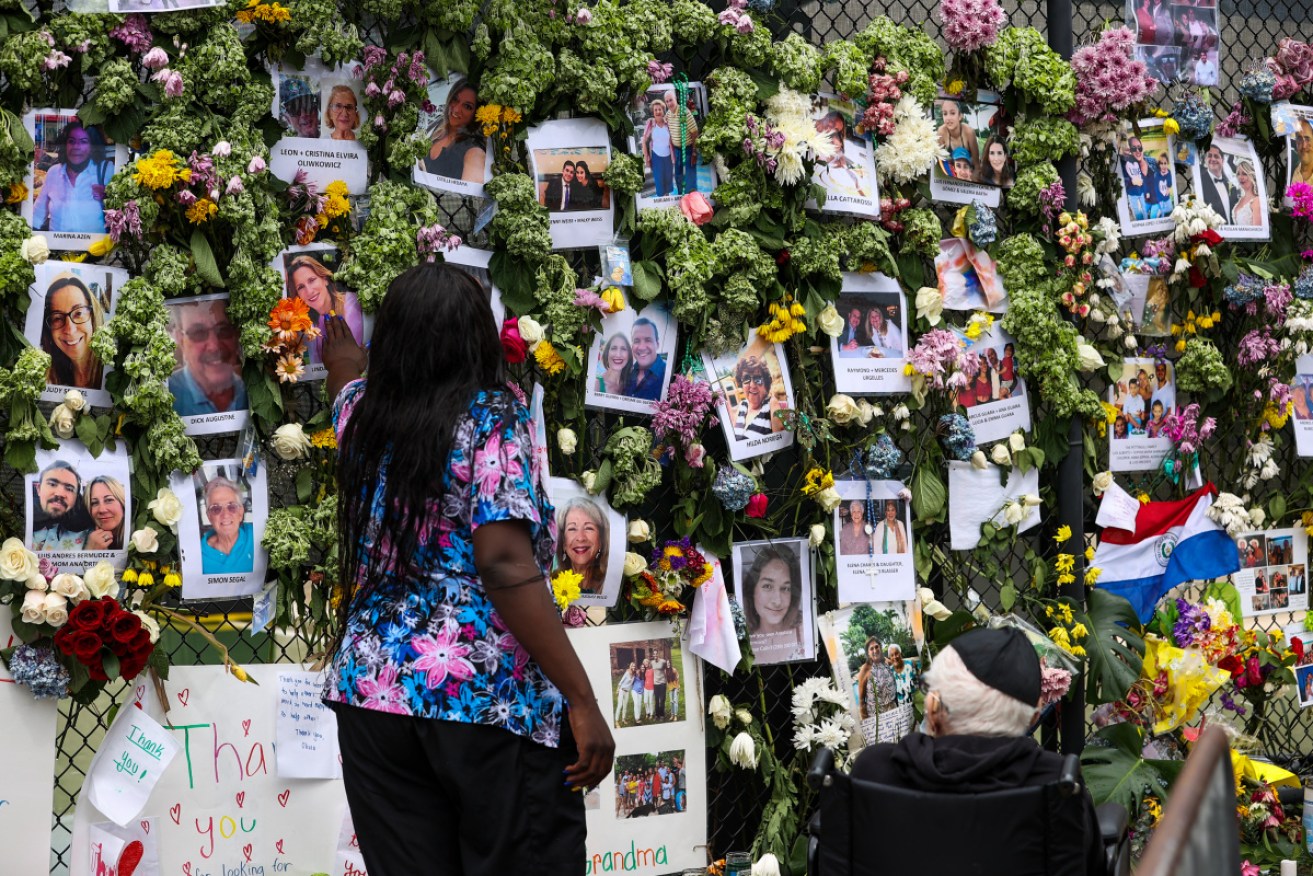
35,250
828,499
589,480
1130,342
932,606
1031,500
63,421
639,532
743,752
1014,513
817,536
634,564
720,711
1000,454
1257,516
166,507
1017,442
901,412
17,563
289,441
841,408
567,440
1102,481
1088,357
145,540
100,580
530,330
929,304
68,586
55,609
979,461
150,625
37,582
768,865
34,607
866,412
74,400
829,321
744,716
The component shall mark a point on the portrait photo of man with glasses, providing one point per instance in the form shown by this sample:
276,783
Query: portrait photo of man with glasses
208,379
1148,176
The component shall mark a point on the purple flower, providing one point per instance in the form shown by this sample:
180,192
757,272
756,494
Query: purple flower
681,414
970,25
171,80
256,165
431,239
1190,623
1257,347
235,186
134,33
1109,79
659,72
373,55
125,221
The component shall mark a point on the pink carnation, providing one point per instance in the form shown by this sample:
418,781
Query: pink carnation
970,25
1109,78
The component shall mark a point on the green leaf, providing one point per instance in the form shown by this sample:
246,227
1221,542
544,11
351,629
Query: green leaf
929,495
305,484
206,266
90,114
88,433
1276,507
21,455
1007,597
647,280
110,662
1115,647
1118,772
515,280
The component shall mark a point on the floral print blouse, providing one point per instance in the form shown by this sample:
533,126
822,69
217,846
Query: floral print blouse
436,648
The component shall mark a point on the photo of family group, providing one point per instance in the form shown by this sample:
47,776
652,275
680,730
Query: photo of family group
320,113
995,398
968,277
590,540
873,538
79,509
848,173
1187,26
1148,178
666,121
1299,146
773,583
307,273
753,394
996,380
71,165
567,158
1230,180
868,353
976,165
650,784
873,651
631,360
459,159
645,678
1143,396
69,303
221,556
1273,571
208,391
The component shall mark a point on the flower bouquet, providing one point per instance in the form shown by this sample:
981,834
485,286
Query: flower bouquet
667,585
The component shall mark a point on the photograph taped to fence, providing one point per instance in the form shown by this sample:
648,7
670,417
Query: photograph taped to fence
223,509
590,540
1230,180
1144,396
79,507
666,121
873,537
753,392
72,163
308,275
1148,177
1273,574
646,681
869,354
459,159
208,391
848,173
631,360
976,164
69,303
873,652
773,582
996,400
315,108
1188,27
577,199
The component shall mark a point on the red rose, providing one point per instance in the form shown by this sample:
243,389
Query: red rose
86,646
62,636
89,614
141,645
96,669
1208,236
130,666
757,505
1197,279
513,346
123,627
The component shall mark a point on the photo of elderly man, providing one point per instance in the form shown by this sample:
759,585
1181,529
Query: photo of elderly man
208,379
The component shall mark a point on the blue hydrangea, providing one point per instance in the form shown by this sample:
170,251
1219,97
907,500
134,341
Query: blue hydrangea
1257,85
1303,286
37,667
733,488
956,436
983,225
1246,289
1194,116
883,459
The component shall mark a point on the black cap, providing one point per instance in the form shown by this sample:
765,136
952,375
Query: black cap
1004,659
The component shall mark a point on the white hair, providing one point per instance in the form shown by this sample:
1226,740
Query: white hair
972,707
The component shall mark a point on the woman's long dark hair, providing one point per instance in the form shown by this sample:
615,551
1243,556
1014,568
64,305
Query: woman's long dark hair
435,346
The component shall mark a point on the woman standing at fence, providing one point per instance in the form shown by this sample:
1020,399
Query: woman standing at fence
440,777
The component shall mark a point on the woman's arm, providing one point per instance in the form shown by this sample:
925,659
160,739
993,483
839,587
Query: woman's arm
343,357
475,158
503,555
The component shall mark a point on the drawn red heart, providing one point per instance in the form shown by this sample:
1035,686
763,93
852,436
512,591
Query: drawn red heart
145,826
241,799
140,692
246,852
130,857
282,798
246,727
279,846
184,695
175,812
186,868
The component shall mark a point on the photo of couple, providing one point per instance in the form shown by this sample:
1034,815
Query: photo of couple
319,110
70,302
665,131
773,583
869,528
568,179
458,159
567,161
78,506
875,659
1230,180
871,327
645,679
631,360
311,107
1148,176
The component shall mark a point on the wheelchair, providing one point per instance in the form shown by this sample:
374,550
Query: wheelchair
866,829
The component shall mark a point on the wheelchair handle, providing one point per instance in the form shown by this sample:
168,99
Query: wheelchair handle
822,766
1069,779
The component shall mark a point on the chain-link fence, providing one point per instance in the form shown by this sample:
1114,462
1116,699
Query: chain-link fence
1248,30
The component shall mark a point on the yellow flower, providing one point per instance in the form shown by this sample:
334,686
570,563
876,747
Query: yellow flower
201,211
101,247
1171,127
17,193
1089,553
129,576
1180,346
817,479
289,369
1065,562
1063,533
614,298
324,439
565,587
161,170
173,579
548,359
1060,638
1079,631
1092,575
1077,651
1144,498
145,579
955,87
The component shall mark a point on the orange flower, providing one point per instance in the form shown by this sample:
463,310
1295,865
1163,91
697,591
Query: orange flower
289,316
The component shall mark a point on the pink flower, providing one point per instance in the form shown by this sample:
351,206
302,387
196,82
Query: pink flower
583,16
696,208
512,345
155,59
235,186
970,25
756,505
256,165
659,72
441,656
694,455
383,694
134,33
56,60
171,80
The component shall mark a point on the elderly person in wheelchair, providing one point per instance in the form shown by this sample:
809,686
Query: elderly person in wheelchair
971,792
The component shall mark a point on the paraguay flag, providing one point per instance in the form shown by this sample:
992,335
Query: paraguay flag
1173,542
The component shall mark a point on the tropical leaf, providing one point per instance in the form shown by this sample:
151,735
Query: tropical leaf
1116,770
1115,647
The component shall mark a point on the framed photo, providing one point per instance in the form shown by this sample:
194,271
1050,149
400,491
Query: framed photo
459,159
632,359
752,387
1273,574
71,165
319,109
566,160
590,540
217,535
1144,397
208,391
977,166
848,175
79,507
664,133
873,542
868,355
996,401
968,277
874,651
1230,180
70,301
308,274
773,581
1148,175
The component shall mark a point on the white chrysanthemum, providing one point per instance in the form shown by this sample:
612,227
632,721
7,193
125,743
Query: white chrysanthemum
788,169
788,102
1085,191
831,694
804,736
832,734
912,149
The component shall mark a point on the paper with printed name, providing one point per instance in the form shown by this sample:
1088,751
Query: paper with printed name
306,729
129,763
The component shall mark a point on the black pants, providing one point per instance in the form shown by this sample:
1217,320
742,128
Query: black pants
659,694
440,797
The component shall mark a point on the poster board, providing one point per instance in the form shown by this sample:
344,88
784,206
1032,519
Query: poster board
27,769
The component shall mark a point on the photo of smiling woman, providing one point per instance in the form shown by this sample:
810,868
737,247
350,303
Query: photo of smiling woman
589,532
772,581
342,114
458,159
70,317
309,278
219,533
106,502
227,539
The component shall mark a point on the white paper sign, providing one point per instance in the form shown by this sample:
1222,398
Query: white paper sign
975,497
348,861
124,851
1118,509
27,769
306,729
129,763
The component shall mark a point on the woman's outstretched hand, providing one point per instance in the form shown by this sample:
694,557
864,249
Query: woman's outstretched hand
344,359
